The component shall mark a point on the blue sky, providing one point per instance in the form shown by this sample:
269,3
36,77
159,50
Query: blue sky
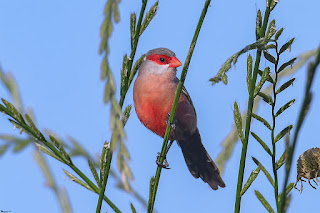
51,47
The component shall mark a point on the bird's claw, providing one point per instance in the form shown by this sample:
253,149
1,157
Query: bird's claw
165,164
172,125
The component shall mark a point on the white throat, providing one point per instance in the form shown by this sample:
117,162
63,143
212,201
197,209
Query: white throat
151,67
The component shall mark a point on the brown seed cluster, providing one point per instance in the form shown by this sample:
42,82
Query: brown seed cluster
308,167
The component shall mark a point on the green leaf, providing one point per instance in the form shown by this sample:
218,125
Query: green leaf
286,46
262,120
278,34
133,22
269,57
65,155
14,112
271,30
286,152
266,98
273,4
260,72
285,85
286,205
151,187
263,144
150,15
270,46
34,128
126,115
135,68
264,202
238,121
104,68
288,190
124,151
48,152
4,148
284,107
284,65
249,70
21,145
225,79
252,177
283,133
77,180
133,209
125,171
263,79
17,125
103,161
221,75
107,93
281,160
116,15
258,24
264,171
124,74
77,149
94,173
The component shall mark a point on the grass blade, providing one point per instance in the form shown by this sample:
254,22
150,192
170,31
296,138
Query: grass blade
238,121
262,120
254,174
284,107
263,144
264,202
283,133
264,171
285,85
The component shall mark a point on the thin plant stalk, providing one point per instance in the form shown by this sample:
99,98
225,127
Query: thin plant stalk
302,114
113,137
249,114
38,138
175,104
274,164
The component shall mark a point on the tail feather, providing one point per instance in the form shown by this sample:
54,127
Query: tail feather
199,161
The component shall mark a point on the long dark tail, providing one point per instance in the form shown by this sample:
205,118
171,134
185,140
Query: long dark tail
199,161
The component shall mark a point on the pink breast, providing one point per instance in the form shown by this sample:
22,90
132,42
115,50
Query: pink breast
153,114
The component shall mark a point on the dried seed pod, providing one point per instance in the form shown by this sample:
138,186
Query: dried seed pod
308,167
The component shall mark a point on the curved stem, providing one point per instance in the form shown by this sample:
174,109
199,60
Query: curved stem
274,164
303,111
249,113
113,137
94,187
38,138
175,104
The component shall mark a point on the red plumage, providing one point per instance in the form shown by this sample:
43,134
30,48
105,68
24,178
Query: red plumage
153,94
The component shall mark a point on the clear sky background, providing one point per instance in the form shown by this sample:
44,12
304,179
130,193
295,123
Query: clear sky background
51,47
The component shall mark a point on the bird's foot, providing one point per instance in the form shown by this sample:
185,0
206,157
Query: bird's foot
173,124
165,163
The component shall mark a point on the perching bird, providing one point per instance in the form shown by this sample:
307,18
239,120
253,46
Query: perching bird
153,94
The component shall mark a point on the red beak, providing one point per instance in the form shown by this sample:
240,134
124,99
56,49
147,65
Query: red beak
174,62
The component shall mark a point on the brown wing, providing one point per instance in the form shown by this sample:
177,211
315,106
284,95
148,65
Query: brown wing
185,118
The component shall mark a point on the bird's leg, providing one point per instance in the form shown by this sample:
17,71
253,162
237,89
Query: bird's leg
165,164
168,147
173,124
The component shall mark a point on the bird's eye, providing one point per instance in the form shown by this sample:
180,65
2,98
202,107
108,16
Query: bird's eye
162,59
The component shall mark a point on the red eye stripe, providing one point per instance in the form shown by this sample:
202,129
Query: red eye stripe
159,59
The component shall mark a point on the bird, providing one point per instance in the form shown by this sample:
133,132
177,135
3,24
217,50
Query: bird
153,94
